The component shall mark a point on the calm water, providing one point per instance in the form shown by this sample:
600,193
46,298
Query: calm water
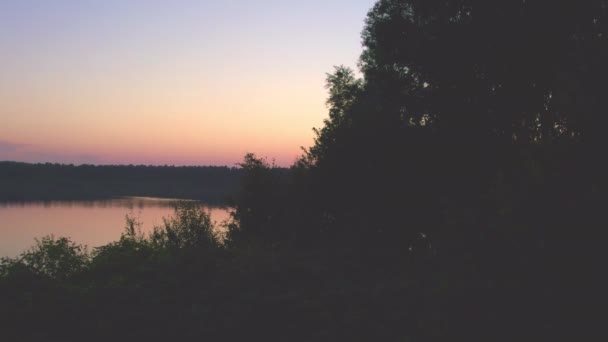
92,223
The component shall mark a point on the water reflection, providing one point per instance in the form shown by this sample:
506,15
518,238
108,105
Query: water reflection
90,222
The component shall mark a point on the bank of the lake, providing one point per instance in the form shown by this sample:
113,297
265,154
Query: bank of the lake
89,222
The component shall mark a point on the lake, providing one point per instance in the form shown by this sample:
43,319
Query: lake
92,223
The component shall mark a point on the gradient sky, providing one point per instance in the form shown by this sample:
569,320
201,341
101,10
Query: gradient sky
168,82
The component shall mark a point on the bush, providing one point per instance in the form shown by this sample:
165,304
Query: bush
53,258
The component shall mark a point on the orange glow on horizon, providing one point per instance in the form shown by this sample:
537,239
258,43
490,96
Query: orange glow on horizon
160,83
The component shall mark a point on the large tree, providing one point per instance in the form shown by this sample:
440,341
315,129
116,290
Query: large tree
455,100
524,70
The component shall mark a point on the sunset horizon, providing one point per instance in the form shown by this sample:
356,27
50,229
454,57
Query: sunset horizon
180,83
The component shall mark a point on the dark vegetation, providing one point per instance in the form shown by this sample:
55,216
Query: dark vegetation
455,193
40,182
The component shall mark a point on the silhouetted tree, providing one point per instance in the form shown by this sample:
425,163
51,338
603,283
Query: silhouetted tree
472,142
518,70
53,258
255,210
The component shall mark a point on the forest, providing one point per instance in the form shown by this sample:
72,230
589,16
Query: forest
46,182
454,193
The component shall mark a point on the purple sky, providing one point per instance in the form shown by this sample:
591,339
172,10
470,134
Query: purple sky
168,82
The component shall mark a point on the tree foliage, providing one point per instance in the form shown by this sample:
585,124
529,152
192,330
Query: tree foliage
55,258
524,71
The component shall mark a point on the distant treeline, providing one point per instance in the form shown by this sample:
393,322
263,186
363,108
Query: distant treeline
24,182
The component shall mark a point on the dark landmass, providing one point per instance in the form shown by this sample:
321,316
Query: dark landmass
43,182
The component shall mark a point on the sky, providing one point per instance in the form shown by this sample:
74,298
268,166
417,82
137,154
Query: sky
177,82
